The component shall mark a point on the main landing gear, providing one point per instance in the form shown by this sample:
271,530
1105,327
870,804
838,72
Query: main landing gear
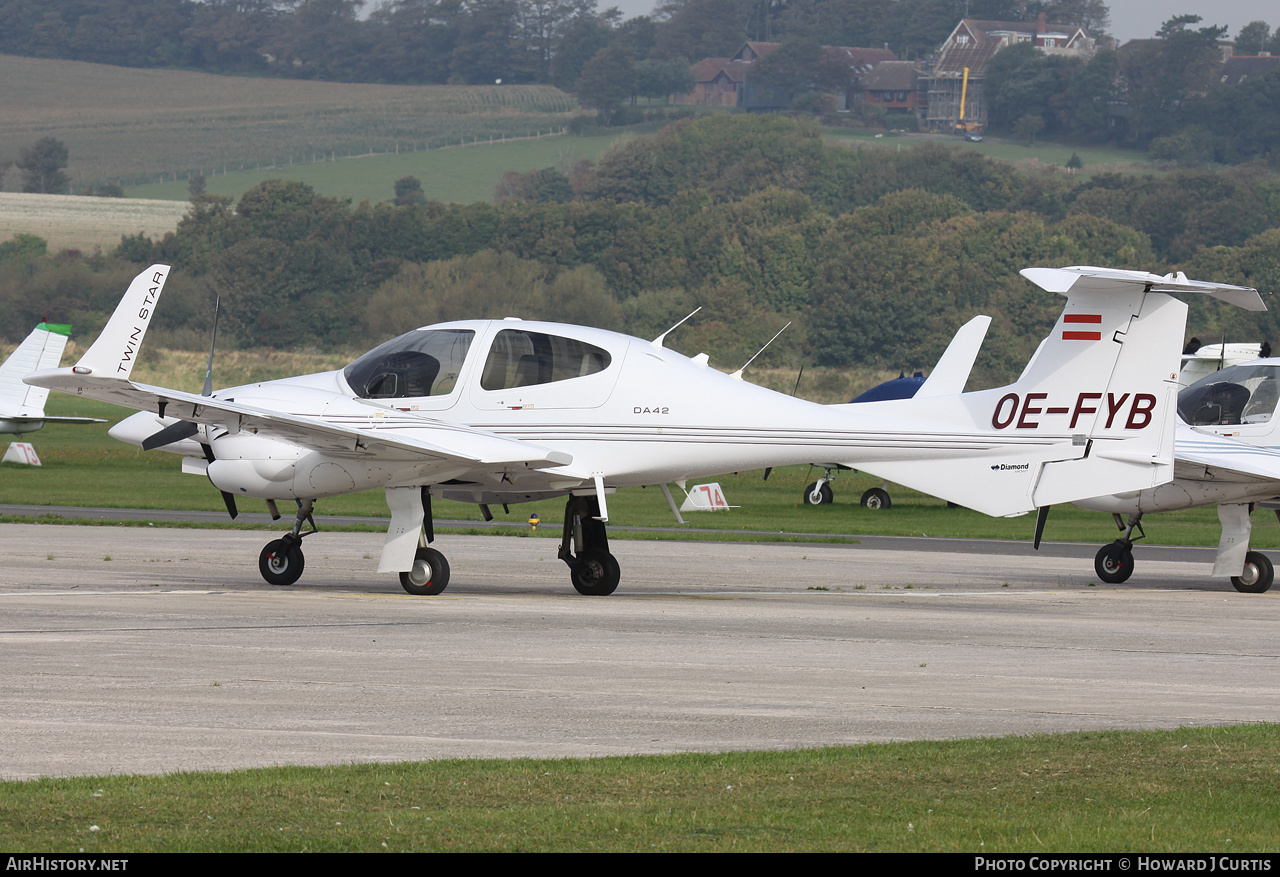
820,493
584,546
281,561
1114,561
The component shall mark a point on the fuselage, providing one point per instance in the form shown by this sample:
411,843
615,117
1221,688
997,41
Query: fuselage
624,409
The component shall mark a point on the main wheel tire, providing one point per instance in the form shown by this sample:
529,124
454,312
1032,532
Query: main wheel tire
595,573
1113,563
1257,576
876,498
429,576
815,495
281,562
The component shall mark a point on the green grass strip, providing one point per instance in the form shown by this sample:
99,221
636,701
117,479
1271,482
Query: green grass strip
1202,789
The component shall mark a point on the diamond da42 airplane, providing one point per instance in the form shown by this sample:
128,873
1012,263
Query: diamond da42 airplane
509,411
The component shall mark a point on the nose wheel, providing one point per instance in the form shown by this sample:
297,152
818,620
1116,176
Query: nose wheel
1114,563
281,561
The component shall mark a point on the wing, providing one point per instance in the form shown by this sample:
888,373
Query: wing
364,431
1200,456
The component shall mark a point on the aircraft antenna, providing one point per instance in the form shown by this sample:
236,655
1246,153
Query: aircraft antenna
796,388
208,374
657,342
738,374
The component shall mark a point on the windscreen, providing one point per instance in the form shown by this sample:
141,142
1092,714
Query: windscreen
418,363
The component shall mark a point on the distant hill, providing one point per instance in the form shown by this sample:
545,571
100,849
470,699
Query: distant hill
130,125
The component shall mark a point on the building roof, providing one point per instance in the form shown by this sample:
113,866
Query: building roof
1238,68
892,76
975,41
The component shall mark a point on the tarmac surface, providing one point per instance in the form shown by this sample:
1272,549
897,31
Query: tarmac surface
153,650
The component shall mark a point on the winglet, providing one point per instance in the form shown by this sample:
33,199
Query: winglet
116,350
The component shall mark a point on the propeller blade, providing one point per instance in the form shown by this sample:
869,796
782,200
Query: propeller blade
174,432
228,499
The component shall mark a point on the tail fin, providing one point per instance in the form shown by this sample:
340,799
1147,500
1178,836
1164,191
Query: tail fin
1093,412
116,350
41,349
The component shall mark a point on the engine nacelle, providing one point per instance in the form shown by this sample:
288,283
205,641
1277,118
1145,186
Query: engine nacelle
250,465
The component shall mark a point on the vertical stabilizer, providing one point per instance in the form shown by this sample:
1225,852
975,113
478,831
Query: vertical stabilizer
41,349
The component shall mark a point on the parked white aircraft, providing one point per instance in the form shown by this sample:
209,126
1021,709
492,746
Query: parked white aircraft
506,411
22,406
1227,454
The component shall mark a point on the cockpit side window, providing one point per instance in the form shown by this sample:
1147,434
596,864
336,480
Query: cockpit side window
519,358
413,365
1242,394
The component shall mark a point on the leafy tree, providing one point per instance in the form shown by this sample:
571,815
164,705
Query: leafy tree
700,29
583,37
1092,15
41,164
606,81
409,191
1253,38
1022,80
1028,126
662,78
1165,72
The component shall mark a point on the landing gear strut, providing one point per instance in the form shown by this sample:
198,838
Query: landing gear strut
1114,561
281,561
584,546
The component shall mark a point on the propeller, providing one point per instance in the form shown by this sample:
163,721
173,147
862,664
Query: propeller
185,429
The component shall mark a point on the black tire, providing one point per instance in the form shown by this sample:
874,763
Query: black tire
1113,563
429,576
1257,576
876,498
814,495
281,562
595,573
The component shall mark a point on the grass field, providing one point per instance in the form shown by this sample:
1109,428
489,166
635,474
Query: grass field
1192,790
464,173
130,125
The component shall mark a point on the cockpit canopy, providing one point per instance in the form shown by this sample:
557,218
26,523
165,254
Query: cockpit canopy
427,362
1241,394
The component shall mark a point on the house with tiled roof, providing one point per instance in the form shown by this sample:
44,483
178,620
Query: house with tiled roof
954,80
894,85
1239,68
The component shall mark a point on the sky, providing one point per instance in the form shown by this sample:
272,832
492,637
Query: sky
1130,19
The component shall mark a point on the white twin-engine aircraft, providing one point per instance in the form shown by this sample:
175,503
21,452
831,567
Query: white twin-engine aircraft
507,411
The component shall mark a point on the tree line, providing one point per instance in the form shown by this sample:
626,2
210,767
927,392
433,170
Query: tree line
877,256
